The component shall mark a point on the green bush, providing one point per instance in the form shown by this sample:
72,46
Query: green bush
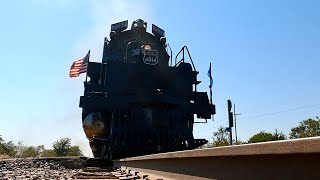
61,147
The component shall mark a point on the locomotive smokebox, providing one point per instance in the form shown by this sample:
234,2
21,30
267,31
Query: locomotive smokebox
93,125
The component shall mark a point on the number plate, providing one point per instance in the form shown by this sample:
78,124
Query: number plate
150,57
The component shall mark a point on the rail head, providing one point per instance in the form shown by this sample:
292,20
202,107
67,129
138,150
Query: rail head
292,146
286,159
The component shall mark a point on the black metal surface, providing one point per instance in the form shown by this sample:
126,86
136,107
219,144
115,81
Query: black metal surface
146,106
96,162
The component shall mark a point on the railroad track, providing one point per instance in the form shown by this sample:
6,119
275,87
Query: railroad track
288,159
109,174
103,169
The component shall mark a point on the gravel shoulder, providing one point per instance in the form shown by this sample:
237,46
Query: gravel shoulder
41,168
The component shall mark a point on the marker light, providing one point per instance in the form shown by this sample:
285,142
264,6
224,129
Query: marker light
146,47
157,31
120,26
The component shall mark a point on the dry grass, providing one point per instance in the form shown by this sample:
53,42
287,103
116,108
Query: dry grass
4,156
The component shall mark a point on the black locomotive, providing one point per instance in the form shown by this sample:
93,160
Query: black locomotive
136,102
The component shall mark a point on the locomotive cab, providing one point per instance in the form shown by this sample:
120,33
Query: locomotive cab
135,103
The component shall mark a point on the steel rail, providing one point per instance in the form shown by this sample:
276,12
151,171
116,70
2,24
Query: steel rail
287,159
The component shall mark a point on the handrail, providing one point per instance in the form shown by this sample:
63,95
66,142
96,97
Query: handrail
128,46
182,60
178,55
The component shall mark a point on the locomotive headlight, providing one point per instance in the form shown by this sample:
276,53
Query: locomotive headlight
93,125
141,51
146,47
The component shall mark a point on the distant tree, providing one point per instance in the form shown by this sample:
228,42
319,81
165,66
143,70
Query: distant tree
74,151
307,128
48,153
40,149
220,137
8,148
62,146
278,136
30,152
265,136
20,148
1,145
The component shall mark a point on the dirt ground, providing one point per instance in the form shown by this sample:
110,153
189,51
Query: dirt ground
3,156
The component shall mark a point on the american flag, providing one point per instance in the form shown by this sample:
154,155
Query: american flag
209,74
79,66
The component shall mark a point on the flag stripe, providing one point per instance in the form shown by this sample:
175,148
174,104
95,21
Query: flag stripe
79,66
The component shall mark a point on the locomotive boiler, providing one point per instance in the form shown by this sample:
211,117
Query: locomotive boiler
137,101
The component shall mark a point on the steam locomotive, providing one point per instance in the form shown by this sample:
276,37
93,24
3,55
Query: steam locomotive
136,102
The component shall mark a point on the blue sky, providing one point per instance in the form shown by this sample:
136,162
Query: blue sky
265,57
